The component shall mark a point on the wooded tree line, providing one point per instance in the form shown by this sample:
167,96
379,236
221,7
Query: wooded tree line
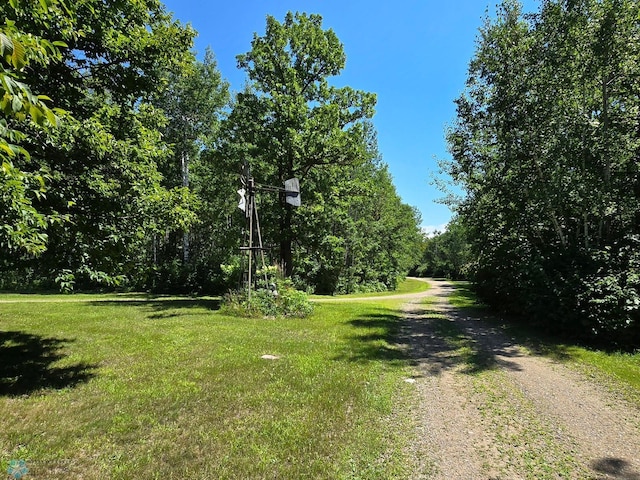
122,153
445,254
547,148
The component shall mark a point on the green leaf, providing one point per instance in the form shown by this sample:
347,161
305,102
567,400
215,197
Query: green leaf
18,58
8,83
16,103
53,120
6,148
5,103
6,44
37,115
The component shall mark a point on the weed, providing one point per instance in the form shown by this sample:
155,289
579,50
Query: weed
280,301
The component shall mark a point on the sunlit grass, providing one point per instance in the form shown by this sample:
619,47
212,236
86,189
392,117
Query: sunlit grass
620,371
6,297
411,285
464,297
166,388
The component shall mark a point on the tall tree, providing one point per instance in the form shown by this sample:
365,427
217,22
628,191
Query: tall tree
192,103
104,175
358,235
546,145
292,121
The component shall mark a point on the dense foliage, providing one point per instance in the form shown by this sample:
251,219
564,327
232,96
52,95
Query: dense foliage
23,225
352,231
547,146
131,181
103,159
445,254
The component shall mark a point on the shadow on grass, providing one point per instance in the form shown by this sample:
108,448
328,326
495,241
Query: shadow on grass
429,340
461,339
165,308
463,296
539,342
542,342
437,344
375,339
26,364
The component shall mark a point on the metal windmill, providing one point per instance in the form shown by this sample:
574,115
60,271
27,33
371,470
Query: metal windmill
252,241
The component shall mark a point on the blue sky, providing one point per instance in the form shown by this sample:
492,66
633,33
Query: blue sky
412,53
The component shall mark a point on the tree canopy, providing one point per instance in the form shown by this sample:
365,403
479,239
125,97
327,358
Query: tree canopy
546,146
131,181
103,159
290,122
23,225
300,124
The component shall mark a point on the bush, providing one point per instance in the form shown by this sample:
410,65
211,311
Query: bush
284,301
610,299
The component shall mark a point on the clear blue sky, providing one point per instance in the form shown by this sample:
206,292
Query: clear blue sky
412,53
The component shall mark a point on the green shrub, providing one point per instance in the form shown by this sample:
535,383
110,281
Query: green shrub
610,298
283,301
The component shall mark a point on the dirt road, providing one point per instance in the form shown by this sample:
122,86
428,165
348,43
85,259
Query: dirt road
489,409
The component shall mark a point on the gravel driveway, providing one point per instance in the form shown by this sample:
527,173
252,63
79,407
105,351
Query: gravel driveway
487,408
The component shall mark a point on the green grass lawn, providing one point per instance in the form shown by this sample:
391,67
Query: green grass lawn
619,371
128,387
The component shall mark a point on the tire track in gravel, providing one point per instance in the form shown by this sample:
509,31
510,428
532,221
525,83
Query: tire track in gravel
488,409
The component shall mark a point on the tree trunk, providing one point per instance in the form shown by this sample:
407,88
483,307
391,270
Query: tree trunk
286,242
185,183
551,210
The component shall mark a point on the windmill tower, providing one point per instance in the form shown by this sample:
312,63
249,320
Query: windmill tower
252,241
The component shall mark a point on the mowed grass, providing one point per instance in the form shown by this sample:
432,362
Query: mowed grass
109,387
619,371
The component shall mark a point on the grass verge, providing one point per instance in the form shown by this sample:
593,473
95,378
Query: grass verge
109,387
